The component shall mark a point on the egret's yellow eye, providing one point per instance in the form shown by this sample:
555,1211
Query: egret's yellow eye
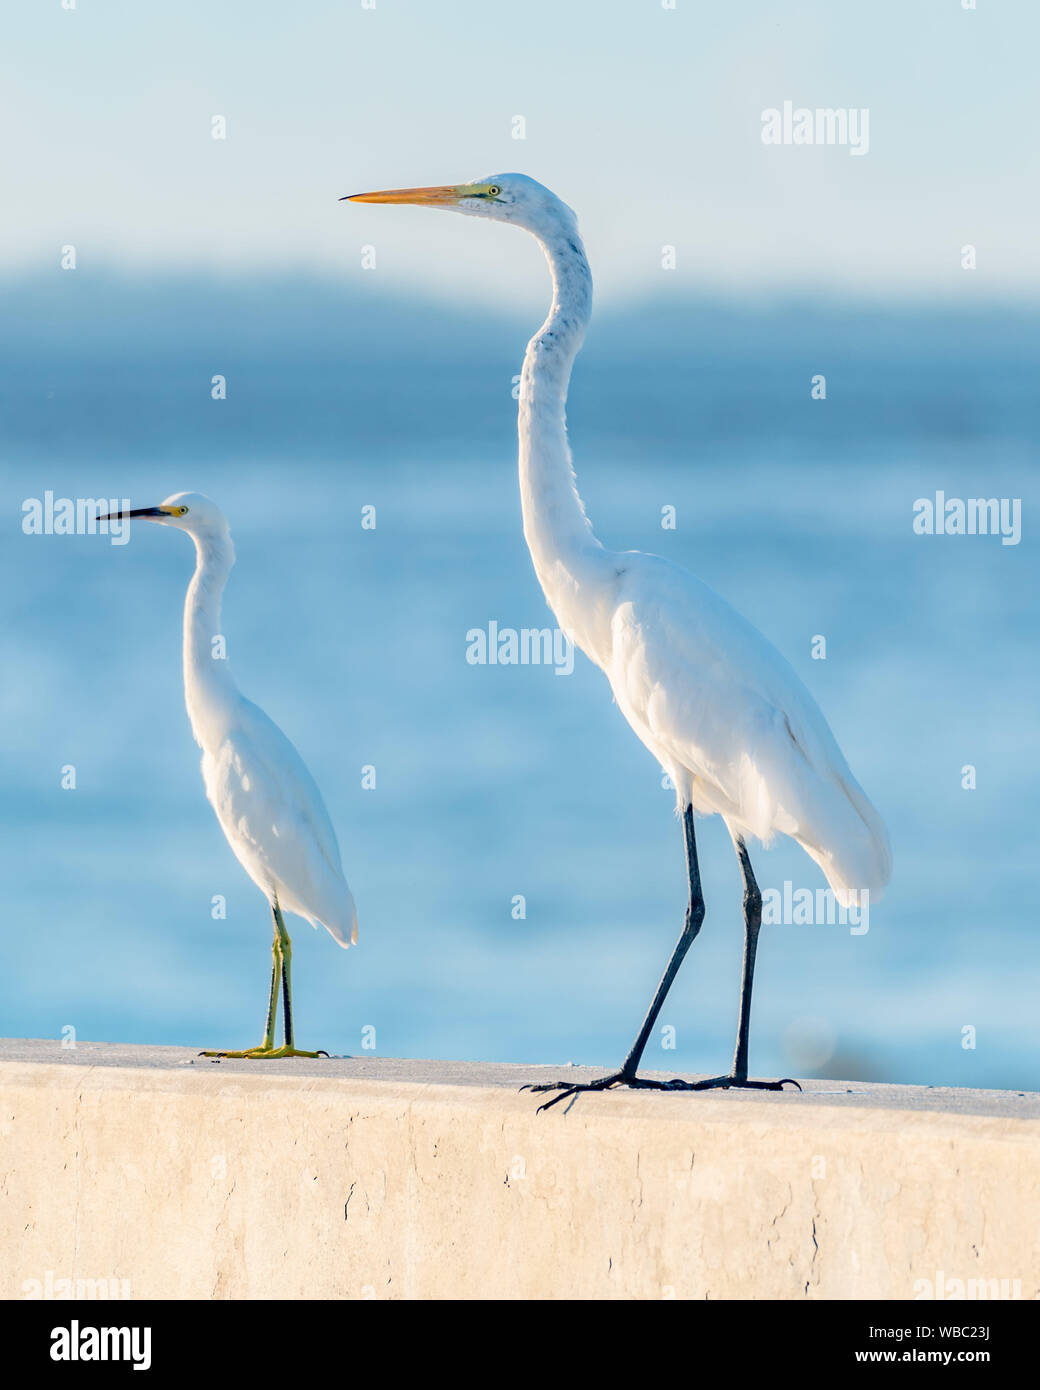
493,190
180,511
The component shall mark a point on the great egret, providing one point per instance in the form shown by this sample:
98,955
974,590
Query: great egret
266,801
709,696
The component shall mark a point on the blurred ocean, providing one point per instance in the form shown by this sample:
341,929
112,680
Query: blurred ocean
498,781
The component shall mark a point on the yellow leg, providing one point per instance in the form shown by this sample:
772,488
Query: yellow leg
281,952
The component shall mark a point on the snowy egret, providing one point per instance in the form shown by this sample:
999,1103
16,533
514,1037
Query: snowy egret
266,801
718,706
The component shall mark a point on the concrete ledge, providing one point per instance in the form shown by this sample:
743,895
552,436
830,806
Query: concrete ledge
355,1178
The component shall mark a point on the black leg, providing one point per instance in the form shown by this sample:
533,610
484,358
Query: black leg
752,926
694,917
738,1077
692,925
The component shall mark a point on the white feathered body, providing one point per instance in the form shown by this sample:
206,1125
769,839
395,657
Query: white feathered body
732,723
268,805
712,699
275,821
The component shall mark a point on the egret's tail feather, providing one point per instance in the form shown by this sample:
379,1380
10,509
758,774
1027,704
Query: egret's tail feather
342,926
860,856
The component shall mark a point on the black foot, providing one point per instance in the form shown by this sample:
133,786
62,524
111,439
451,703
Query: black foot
571,1088
728,1083
620,1078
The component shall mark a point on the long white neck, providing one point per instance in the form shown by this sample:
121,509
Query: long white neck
571,565
209,689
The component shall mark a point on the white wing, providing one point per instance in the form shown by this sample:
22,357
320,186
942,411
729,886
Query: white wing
275,821
705,691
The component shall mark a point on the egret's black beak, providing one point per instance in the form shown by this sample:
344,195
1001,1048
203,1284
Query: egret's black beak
140,511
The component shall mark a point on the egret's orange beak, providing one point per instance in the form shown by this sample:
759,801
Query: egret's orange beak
438,195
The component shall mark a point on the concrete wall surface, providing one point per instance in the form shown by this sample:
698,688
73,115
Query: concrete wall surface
176,1177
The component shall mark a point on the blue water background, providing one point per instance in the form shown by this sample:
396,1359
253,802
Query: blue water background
493,782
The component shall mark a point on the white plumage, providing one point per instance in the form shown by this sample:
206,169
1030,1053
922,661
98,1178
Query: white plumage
267,803
275,821
735,727
709,696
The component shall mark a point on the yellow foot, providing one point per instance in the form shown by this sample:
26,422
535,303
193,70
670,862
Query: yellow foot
269,1053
